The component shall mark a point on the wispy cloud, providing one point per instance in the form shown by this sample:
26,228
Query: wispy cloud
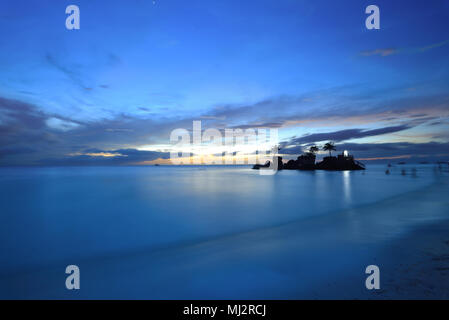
381,52
435,45
384,52
69,72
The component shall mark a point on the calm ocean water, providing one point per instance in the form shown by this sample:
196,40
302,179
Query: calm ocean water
180,222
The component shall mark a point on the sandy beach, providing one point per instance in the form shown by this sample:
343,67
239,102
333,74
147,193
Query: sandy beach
423,271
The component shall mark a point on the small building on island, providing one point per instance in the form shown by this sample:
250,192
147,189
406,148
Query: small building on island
343,161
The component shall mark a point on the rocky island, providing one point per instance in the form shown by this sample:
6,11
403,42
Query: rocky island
343,161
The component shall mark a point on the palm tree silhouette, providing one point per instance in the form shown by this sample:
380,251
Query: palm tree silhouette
313,149
330,146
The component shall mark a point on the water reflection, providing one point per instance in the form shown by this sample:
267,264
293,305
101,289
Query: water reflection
347,187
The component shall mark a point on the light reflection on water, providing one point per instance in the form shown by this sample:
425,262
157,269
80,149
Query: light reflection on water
347,186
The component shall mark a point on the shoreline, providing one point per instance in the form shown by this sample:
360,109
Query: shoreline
415,265
421,264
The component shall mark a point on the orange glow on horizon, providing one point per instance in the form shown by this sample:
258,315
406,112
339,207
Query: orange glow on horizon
406,156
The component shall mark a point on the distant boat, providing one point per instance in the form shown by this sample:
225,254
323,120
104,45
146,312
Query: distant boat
402,162
156,164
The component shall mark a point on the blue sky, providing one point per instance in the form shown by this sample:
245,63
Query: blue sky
138,69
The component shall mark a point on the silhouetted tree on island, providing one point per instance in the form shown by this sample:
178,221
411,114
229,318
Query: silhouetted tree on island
313,149
330,146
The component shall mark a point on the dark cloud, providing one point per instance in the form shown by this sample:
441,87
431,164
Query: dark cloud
419,115
436,123
21,123
387,152
258,125
23,127
292,149
414,151
141,155
337,104
15,151
346,134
